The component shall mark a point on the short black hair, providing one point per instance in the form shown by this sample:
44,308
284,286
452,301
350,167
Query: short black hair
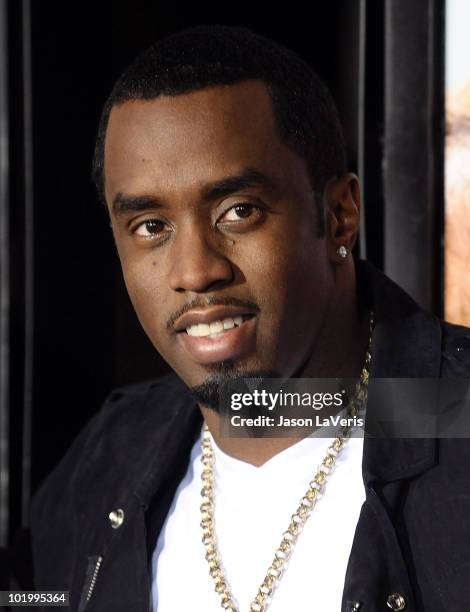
206,56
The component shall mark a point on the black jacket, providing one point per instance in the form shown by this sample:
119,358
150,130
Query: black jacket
413,535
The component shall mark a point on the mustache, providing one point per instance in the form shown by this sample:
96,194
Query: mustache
209,301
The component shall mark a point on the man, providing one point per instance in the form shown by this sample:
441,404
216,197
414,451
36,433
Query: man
221,162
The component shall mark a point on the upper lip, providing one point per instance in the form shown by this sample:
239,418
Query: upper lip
209,315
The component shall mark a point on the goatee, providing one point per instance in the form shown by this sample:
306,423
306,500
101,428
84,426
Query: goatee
215,390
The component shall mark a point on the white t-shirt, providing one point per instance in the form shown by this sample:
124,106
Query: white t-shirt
253,508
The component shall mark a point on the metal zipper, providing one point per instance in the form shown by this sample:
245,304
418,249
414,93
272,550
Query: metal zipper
96,570
93,569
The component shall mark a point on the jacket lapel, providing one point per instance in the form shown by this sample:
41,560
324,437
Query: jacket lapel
406,343
139,471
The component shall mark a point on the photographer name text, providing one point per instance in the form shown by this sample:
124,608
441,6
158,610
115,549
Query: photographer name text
281,421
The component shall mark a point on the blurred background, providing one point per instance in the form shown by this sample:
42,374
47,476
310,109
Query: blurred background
68,334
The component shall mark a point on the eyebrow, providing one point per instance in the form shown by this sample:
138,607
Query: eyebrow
249,177
122,203
224,187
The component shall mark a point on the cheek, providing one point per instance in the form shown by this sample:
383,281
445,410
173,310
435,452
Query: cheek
284,265
291,280
144,287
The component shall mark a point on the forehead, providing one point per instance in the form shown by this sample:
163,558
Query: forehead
199,135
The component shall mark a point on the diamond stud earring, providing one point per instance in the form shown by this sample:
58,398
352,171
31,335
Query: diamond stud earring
342,251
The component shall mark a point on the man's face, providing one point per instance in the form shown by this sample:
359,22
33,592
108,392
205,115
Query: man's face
217,232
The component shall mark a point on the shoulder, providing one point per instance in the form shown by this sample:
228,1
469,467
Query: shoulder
133,408
109,454
126,415
122,400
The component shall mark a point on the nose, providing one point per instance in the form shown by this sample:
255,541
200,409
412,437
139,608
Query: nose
198,263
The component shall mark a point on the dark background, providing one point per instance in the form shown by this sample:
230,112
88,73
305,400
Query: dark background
72,335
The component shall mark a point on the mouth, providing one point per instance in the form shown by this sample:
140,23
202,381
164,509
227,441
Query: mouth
217,334
216,328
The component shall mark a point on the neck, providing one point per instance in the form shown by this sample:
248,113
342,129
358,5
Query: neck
338,351
341,344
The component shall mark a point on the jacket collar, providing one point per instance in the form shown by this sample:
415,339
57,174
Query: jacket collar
177,424
406,343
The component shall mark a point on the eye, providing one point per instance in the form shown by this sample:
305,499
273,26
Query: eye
150,228
241,213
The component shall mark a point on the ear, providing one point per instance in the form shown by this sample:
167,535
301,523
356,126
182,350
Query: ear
342,207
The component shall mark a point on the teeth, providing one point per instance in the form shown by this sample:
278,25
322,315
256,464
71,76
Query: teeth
203,329
216,327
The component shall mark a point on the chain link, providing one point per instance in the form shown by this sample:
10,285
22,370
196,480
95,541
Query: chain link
299,518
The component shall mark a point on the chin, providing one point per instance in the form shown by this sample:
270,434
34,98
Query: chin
208,392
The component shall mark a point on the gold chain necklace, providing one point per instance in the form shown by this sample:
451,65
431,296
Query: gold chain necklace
299,518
